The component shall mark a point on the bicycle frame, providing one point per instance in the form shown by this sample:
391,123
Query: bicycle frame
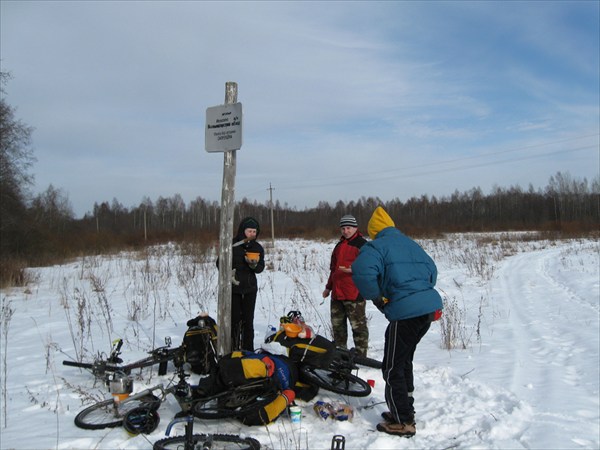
189,429
101,368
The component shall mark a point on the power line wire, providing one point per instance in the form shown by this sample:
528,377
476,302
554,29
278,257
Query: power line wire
370,177
363,180
465,158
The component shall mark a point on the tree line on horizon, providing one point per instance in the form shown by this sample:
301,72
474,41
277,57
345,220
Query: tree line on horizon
565,205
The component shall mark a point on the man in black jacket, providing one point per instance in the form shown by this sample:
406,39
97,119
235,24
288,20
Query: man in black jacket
248,259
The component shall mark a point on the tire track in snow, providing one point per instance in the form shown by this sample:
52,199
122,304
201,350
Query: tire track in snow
552,335
590,298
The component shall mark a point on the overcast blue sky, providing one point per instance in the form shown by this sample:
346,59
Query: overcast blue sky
341,99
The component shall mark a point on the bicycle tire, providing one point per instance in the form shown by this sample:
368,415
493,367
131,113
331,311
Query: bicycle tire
236,401
208,441
336,381
109,414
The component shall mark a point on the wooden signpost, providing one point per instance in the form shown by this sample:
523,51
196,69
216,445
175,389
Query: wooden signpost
223,133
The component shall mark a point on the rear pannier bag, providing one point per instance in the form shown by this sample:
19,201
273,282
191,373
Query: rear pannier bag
241,367
316,351
267,413
238,368
200,344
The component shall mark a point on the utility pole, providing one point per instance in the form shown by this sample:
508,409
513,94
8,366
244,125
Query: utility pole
272,222
145,228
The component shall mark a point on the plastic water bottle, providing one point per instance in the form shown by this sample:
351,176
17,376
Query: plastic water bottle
271,330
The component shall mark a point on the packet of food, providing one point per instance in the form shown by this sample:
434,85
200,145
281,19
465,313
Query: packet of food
324,410
343,412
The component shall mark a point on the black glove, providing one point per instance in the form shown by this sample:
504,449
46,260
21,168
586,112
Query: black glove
379,303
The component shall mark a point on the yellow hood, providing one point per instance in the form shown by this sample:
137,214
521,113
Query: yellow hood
379,220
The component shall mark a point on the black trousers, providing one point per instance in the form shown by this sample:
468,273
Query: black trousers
242,321
401,339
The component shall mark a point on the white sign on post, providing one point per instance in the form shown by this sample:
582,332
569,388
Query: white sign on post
223,128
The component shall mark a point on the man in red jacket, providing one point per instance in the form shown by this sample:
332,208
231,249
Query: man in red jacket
346,302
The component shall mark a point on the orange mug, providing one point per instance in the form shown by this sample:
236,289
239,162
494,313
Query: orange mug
252,257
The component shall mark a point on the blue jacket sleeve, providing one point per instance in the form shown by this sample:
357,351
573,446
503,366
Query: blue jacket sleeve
432,270
366,270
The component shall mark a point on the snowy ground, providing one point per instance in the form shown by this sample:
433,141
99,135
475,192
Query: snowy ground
523,373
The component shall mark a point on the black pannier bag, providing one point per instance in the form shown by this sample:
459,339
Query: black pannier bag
200,344
241,367
316,351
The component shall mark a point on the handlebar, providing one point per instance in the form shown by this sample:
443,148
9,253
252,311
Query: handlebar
186,419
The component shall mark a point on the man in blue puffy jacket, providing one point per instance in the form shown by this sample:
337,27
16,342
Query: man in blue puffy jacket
397,274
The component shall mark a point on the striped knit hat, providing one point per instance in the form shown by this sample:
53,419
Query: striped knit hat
348,221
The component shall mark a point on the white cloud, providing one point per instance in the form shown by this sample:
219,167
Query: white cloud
328,88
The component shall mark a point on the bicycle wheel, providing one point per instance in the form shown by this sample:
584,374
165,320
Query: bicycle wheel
339,382
109,414
208,441
236,401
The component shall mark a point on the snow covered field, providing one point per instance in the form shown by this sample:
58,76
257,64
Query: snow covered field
523,371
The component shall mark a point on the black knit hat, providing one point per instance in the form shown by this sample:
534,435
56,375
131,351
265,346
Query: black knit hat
250,222
247,222
348,221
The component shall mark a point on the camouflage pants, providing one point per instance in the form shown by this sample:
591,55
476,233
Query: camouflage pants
341,313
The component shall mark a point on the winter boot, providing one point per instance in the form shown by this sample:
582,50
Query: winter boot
388,417
397,429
